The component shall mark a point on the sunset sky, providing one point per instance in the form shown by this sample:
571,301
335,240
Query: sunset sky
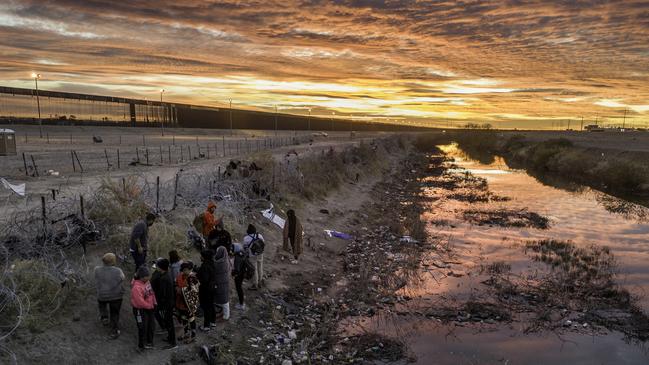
511,63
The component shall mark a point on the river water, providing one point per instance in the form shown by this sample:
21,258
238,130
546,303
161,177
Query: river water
584,217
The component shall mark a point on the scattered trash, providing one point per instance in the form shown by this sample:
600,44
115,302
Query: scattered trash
408,239
18,189
292,335
97,139
270,214
337,234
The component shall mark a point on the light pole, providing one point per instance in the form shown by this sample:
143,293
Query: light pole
275,120
36,76
231,117
309,120
163,114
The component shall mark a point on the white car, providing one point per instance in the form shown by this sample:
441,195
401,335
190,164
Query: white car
320,134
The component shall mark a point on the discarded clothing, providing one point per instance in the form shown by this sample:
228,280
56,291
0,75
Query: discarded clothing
337,234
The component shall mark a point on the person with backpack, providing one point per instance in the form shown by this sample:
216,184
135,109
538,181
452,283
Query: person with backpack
242,269
222,292
163,288
139,241
187,300
110,290
292,234
207,278
219,237
143,301
253,244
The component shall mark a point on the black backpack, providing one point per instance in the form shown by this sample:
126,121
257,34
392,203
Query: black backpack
248,268
257,245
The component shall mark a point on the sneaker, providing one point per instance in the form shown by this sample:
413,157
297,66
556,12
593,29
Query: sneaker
212,325
241,307
253,287
105,321
294,262
114,335
204,329
161,331
170,347
149,347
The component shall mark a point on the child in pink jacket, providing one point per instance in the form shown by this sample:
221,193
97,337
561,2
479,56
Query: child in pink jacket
143,302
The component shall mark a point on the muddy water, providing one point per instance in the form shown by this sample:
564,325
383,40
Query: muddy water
583,217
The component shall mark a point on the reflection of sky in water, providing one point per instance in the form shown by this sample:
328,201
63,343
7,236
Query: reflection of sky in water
578,217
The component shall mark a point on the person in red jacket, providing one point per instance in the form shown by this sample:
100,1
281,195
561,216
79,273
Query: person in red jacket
143,301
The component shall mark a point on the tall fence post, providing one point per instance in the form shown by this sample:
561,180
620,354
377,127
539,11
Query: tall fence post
147,156
118,162
107,163
43,213
25,163
78,162
34,164
175,191
157,194
83,211
169,154
161,156
223,137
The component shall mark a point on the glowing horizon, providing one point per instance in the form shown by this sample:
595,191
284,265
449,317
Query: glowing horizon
426,62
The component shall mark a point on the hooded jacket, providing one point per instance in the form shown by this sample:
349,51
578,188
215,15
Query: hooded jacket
222,271
142,296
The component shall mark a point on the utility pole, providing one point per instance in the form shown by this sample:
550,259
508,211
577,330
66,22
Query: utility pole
624,120
582,123
38,103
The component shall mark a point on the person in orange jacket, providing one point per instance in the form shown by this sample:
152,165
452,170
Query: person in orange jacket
209,221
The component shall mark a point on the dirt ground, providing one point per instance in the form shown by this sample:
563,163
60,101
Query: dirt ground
78,337
54,161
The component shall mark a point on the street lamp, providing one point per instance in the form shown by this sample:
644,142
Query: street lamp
275,119
36,76
163,114
309,120
230,116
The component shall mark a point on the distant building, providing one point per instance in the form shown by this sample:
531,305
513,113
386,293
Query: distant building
594,128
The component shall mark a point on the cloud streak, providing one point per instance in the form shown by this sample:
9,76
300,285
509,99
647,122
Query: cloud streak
427,61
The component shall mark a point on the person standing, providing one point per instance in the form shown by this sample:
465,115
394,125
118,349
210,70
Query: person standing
207,278
187,300
222,291
209,221
140,239
110,290
239,271
143,302
219,237
163,288
174,264
254,244
292,234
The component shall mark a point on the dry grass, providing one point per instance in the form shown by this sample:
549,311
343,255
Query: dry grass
118,203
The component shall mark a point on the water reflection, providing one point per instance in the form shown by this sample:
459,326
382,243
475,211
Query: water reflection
583,216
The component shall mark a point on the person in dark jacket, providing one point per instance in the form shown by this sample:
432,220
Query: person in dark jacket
222,292
219,237
163,288
239,273
207,278
139,241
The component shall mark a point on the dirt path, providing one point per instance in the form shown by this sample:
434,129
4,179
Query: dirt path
79,337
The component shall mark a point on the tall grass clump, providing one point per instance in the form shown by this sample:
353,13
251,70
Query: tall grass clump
116,203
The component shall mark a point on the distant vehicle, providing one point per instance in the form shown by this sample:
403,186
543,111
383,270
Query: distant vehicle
320,134
594,128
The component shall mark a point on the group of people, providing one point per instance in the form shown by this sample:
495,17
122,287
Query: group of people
181,290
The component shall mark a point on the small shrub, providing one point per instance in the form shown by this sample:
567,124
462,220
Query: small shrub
117,203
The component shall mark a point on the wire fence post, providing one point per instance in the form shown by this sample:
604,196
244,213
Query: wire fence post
34,164
118,161
83,211
175,192
223,137
157,194
107,163
25,163
43,213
